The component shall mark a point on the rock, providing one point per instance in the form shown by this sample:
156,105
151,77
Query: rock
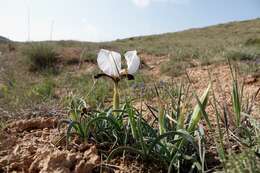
65,161
55,162
30,124
250,79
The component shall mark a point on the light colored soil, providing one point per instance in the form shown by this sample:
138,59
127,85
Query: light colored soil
35,145
222,84
29,146
151,66
200,76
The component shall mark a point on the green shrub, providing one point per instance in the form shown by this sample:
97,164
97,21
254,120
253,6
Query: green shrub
247,59
253,41
44,90
89,56
41,56
242,54
175,67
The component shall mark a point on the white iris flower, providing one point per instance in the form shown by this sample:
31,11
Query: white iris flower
110,63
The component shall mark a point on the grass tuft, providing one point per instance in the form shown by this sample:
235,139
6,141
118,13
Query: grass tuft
41,57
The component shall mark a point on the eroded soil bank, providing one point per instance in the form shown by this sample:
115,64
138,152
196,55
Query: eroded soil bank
35,145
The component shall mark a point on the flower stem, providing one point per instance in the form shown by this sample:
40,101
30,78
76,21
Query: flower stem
116,97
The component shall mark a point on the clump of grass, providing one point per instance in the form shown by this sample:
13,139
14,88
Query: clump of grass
44,90
175,67
238,143
247,59
188,57
243,53
2,124
95,92
168,140
88,56
178,63
41,57
252,41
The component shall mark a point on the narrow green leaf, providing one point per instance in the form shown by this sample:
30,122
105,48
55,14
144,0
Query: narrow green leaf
202,109
181,132
196,115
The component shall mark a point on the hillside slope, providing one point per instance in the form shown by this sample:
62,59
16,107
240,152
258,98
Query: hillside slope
3,39
190,47
163,57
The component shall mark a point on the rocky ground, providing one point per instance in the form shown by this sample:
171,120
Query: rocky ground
30,146
36,145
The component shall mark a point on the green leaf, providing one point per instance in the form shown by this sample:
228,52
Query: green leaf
77,127
197,112
181,132
101,118
202,109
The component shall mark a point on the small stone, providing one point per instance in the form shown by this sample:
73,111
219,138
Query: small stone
250,79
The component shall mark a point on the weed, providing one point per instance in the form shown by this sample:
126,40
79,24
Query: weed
41,56
44,90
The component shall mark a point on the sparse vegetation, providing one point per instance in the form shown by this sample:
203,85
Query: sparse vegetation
163,124
41,56
167,139
173,137
44,90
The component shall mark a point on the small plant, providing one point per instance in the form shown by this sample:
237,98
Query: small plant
110,63
77,120
44,90
178,63
41,56
238,143
88,56
3,90
168,140
243,54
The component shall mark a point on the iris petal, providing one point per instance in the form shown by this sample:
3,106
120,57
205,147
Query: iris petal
109,62
133,61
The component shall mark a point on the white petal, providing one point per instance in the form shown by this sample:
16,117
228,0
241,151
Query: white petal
109,62
133,61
